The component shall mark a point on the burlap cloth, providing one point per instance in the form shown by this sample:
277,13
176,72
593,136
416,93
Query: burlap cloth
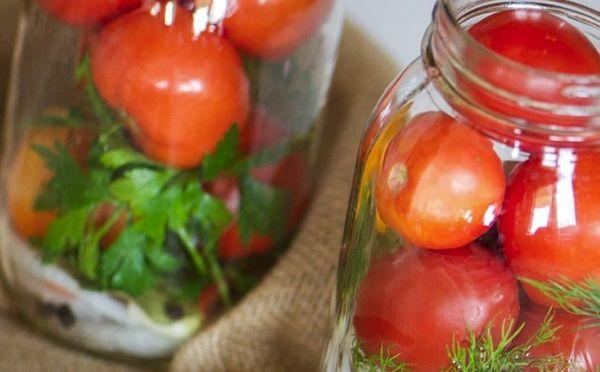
282,324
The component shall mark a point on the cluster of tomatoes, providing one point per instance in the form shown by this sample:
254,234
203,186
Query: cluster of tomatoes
184,87
181,91
444,190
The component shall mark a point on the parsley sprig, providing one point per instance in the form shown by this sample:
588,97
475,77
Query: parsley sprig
160,203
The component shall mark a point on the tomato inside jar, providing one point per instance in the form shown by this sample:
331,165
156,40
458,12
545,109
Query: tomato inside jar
159,161
472,235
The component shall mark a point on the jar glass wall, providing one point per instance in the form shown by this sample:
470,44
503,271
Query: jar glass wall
472,240
158,156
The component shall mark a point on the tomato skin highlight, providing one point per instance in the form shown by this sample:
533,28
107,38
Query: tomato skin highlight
538,40
87,12
441,184
579,344
182,92
273,29
414,301
549,225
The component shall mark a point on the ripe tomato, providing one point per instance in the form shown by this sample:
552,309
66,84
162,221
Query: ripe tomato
87,12
578,344
441,184
537,39
273,29
549,226
208,299
415,301
27,177
182,91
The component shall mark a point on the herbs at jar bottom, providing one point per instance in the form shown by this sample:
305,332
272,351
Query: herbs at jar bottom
92,202
517,349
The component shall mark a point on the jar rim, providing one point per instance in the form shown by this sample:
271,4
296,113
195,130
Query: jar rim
446,6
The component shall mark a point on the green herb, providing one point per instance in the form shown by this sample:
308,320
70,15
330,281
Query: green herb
262,209
70,188
483,354
579,298
125,157
382,361
226,154
71,118
272,154
159,202
124,265
100,109
65,233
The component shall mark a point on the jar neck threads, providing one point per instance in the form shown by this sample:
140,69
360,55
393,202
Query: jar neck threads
508,100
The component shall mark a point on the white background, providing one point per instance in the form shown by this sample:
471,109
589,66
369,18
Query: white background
395,25
398,25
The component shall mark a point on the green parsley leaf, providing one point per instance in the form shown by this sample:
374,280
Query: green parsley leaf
65,233
124,265
123,156
212,215
271,155
100,109
71,118
70,188
162,260
262,209
226,154
140,185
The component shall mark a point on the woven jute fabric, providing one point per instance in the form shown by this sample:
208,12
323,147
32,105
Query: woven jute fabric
283,324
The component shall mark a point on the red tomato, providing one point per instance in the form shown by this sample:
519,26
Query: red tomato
534,39
550,223
441,184
208,299
26,179
415,301
28,175
87,12
538,39
578,344
273,29
182,91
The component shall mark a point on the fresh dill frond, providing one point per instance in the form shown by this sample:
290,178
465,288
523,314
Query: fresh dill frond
579,298
483,353
383,361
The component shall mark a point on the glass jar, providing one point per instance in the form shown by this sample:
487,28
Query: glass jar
158,156
472,240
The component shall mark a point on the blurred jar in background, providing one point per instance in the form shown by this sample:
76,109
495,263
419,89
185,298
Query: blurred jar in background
158,157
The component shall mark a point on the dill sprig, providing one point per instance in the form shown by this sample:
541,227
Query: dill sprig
382,361
483,354
579,298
